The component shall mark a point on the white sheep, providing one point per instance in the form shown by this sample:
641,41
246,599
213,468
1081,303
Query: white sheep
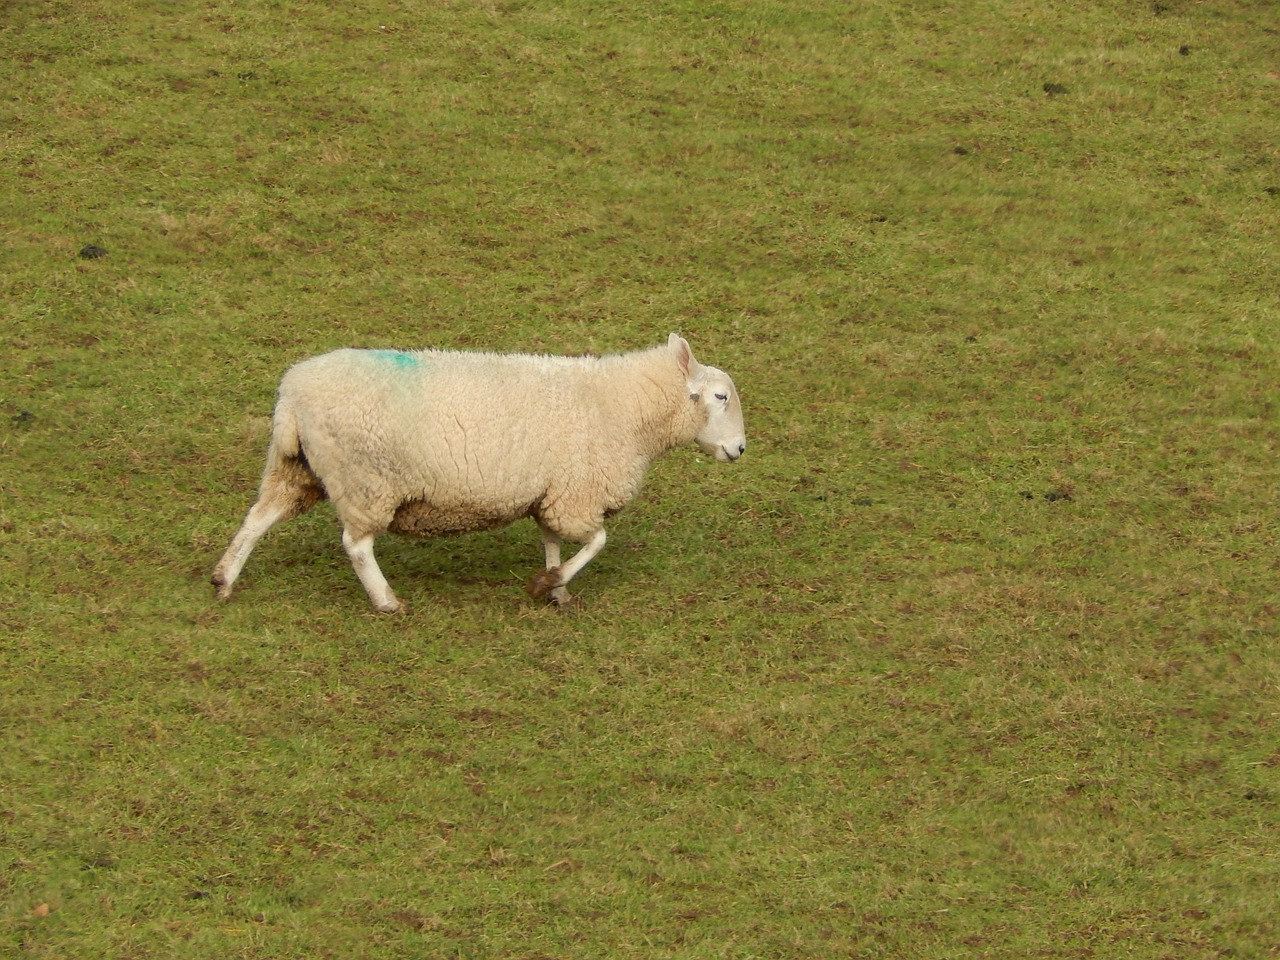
438,442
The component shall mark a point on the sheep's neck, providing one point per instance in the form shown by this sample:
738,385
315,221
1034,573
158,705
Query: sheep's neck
654,402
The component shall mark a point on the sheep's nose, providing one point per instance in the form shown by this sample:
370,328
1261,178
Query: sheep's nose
735,454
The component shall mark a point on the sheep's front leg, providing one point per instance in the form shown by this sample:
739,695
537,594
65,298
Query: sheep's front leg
360,550
546,583
551,582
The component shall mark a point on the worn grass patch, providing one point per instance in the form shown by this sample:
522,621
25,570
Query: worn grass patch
972,654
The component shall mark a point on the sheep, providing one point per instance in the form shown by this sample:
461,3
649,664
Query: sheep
438,442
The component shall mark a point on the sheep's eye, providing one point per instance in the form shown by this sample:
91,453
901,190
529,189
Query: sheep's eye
722,396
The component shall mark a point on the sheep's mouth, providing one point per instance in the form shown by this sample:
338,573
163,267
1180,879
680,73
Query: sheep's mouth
724,452
727,455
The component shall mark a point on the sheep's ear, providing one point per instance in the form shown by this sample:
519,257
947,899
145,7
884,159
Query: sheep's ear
684,356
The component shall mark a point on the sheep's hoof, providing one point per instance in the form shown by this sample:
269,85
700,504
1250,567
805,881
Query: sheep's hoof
561,600
544,583
392,606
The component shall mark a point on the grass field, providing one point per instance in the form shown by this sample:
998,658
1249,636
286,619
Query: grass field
973,654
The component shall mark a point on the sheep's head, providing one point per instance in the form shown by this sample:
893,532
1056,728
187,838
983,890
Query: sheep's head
722,434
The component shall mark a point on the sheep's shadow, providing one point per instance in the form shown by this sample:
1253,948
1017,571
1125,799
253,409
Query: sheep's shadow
308,551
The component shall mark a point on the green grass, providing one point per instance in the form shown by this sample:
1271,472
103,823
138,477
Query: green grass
973,654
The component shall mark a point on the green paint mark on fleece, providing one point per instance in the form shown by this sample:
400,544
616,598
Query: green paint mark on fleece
398,357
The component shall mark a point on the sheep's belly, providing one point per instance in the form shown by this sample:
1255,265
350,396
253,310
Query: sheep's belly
422,519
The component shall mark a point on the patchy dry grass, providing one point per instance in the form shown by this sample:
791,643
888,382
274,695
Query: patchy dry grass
972,654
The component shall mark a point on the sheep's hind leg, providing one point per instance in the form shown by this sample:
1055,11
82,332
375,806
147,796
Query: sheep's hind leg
360,550
550,583
279,500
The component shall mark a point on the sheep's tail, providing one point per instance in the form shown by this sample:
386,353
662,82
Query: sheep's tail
286,442
287,465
